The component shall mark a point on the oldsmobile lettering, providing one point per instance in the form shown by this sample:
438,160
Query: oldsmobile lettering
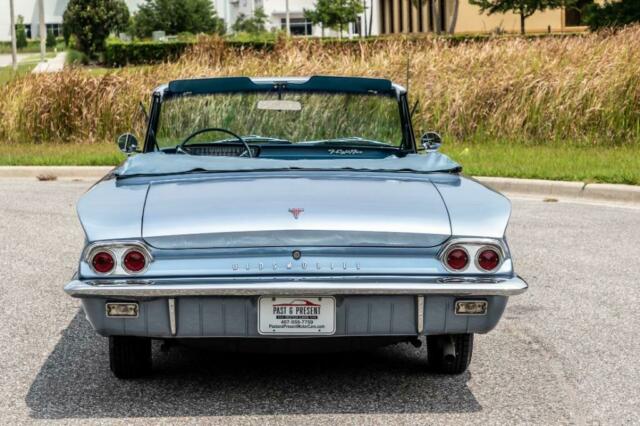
298,266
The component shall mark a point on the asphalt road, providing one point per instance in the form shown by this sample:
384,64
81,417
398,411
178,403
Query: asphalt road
567,351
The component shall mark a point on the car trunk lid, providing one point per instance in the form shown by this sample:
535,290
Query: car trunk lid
294,212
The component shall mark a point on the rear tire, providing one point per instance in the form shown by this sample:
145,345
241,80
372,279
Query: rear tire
444,363
129,357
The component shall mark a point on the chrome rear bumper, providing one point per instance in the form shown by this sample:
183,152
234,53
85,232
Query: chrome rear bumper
178,287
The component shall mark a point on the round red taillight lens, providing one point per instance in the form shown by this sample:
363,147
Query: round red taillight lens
457,259
103,262
134,261
488,259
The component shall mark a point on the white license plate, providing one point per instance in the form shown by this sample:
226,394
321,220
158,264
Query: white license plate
297,315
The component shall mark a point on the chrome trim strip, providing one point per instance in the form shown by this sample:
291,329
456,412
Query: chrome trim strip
420,316
320,287
172,316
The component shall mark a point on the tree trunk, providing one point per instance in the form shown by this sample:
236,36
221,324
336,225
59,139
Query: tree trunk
522,18
287,18
43,30
14,48
370,18
454,16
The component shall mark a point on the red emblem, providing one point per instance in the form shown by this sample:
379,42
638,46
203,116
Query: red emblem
296,212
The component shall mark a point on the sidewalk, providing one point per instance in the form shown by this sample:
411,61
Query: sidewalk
51,65
5,58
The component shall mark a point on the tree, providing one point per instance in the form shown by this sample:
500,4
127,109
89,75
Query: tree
524,8
177,16
612,14
91,22
254,25
334,14
21,33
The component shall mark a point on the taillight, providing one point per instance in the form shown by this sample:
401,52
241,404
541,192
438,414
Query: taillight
457,259
103,262
134,261
488,259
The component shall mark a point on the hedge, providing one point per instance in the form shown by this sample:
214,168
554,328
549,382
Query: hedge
33,46
118,53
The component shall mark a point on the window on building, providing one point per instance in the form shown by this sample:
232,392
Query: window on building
297,26
357,27
56,29
574,14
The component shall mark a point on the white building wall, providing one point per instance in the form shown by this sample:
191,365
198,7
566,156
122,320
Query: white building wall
53,11
276,11
229,10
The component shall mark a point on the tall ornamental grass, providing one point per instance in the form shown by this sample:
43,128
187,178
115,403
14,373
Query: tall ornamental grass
554,90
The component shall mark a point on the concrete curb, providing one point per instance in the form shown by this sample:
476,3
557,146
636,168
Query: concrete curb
62,172
559,189
530,187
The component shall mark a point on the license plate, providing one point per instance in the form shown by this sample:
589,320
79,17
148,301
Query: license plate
297,315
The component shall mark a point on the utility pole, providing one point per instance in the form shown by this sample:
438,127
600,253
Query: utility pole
14,47
43,30
287,17
363,25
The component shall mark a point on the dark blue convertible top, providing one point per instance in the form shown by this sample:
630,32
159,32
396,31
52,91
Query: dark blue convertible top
315,83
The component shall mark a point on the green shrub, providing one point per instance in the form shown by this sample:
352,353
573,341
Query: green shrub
118,53
613,14
75,57
21,34
51,40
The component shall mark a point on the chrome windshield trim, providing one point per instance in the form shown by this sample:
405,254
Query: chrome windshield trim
279,286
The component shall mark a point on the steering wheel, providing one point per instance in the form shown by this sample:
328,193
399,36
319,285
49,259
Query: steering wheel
180,148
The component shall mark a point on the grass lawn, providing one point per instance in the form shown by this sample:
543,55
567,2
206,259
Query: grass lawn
60,155
612,165
7,73
572,163
24,67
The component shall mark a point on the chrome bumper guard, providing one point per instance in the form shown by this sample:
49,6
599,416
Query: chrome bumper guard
179,287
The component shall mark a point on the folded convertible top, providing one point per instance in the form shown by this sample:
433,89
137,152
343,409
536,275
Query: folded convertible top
159,163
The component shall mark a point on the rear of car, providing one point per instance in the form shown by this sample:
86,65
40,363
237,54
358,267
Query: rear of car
341,242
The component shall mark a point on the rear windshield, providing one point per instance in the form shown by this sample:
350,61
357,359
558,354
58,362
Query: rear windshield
292,117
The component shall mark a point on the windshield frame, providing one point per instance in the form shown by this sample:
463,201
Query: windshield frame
164,92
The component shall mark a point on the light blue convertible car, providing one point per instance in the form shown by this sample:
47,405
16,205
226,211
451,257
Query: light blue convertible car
293,213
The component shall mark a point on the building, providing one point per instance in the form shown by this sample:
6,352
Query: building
380,17
28,9
411,16
229,10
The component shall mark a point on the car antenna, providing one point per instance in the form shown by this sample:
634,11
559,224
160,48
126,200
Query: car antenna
408,71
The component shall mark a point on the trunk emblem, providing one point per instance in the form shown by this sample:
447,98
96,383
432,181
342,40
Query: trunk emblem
296,211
